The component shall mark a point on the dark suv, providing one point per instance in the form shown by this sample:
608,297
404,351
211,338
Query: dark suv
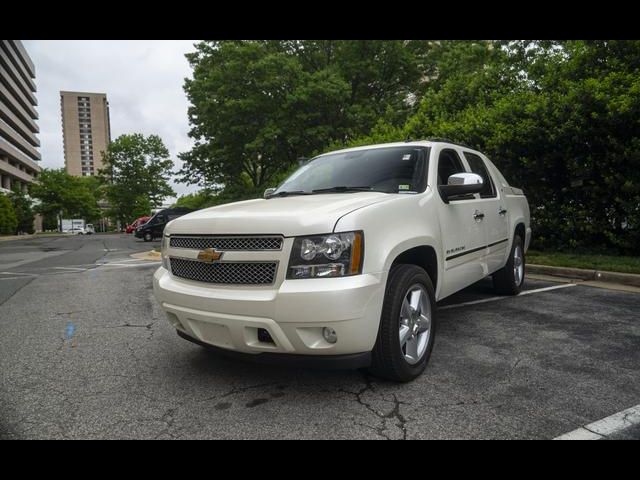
155,226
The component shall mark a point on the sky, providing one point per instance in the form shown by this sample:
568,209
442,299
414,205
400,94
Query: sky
143,80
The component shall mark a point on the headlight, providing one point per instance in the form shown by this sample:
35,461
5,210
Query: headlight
163,251
330,255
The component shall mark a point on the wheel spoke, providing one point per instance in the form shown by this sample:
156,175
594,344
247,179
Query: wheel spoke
405,333
412,349
405,310
415,298
425,323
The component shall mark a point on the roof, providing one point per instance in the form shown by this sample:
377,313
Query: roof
424,143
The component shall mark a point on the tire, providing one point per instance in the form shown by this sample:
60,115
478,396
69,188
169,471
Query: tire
509,280
148,237
389,356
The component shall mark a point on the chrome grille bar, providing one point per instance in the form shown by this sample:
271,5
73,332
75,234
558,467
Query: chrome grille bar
226,243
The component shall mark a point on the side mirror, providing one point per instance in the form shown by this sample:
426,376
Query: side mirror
268,192
461,184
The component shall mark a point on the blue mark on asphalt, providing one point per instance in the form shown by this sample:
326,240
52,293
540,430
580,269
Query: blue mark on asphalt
70,329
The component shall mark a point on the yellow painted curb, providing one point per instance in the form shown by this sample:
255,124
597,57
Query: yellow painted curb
150,255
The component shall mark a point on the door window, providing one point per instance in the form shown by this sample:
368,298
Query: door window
449,163
478,167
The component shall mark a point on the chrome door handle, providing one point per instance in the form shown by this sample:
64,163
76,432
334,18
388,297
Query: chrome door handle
501,211
478,215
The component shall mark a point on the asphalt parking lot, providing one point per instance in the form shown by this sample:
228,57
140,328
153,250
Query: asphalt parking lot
86,353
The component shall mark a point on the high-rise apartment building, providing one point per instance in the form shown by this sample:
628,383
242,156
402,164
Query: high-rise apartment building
18,128
86,131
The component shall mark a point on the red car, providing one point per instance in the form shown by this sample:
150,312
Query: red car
140,221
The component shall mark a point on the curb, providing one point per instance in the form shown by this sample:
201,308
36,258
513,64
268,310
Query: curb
10,238
583,274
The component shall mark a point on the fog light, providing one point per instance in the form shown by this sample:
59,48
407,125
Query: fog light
329,334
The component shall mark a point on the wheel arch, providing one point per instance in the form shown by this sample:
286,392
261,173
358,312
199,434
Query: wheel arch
424,256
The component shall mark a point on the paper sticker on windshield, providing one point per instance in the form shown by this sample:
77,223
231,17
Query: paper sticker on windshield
404,187
406,156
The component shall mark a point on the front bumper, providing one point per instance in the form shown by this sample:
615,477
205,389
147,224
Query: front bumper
330,362
294,313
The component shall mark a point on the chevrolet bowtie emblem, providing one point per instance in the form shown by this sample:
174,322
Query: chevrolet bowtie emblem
209,255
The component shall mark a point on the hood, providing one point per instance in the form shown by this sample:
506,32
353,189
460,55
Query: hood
289,216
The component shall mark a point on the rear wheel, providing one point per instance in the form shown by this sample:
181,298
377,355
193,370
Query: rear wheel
509,280
407,325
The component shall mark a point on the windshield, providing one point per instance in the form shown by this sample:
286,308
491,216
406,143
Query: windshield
390,170
157,218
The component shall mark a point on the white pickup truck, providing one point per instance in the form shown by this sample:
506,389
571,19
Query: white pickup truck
344,262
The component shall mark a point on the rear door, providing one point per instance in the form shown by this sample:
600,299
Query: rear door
496,220
462,230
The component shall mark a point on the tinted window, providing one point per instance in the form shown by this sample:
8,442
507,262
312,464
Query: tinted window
391,170
448,164
157,218
478,166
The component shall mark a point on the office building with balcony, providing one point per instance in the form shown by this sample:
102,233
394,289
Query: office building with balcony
19,155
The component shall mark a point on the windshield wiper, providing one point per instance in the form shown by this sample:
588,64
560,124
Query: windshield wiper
286,193
344,188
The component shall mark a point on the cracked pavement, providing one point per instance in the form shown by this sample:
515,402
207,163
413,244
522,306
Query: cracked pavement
535,366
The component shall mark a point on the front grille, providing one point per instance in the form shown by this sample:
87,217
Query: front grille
225,273
226,243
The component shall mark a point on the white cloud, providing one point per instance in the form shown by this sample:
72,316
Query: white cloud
143,80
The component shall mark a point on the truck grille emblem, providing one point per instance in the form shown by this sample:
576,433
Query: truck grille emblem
209,255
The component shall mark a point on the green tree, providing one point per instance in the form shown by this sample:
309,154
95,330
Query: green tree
257,106
22,206
61,194
201,199
136,175
560,119
8,219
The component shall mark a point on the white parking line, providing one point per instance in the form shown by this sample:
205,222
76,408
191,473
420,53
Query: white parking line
493,299
605,427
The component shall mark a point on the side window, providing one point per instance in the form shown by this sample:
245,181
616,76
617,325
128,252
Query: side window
448,164
478,166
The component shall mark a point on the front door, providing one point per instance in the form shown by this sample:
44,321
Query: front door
462,229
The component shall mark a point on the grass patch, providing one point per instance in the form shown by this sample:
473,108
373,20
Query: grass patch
608,263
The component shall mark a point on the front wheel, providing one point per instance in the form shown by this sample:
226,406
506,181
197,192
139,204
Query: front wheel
407,325
509,280
148,237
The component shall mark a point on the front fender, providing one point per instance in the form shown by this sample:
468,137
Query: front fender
393,227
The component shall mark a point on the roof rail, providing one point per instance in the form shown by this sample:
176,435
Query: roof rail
446,140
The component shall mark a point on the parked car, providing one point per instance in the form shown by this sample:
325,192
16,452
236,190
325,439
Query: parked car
155,225
344,262
89,229
136,223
